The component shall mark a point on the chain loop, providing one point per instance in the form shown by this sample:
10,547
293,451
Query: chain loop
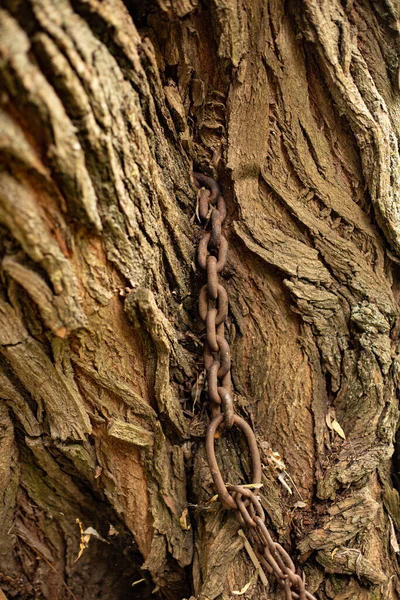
212,277
212,383
208,182
247,509
203,252
222,299
227,407
213,309
204,204
220,486
216,228
211,331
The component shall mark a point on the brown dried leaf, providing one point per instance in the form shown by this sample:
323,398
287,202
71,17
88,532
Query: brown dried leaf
83,542
245,587
183,521
112,530
393,538
337,428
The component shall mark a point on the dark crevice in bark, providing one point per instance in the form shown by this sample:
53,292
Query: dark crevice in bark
8,372
140,10
118,550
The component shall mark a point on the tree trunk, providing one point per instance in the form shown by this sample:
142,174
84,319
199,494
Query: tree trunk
105,109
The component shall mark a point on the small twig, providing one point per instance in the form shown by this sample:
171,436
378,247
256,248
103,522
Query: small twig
248,486
294,485
48,563
246,587
254,558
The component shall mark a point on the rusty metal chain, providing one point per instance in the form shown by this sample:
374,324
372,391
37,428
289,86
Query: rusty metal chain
213,309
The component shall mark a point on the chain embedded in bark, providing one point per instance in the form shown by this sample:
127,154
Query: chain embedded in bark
213,309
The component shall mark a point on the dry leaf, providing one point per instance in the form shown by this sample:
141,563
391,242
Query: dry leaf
243,590
246,587
85,538
281,478
2,595
300,504
275,460
91,532
336,427
182,520
83,542
112,530
393,538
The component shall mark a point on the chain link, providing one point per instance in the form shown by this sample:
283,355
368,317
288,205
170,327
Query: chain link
213,309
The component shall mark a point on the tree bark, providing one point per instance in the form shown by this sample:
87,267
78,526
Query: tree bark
105,110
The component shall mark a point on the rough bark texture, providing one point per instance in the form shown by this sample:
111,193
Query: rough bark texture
104,111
